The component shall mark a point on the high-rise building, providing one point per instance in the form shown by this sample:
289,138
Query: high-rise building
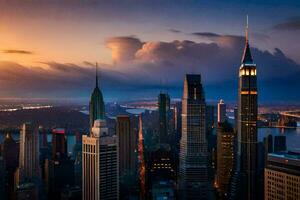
193,169
2,175
279,143
164,117
282,176
10,153
29,154
247,124
235,113
268,146
60,175
59,143
225,157
127,146
268,143
221,111
210,118
141,160
100,168
97,109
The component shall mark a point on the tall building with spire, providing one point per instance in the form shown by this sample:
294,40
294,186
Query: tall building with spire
97,109
193,163
247,124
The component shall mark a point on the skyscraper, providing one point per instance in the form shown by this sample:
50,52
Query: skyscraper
279,143
268,146
100,177
164,117
29,153
221,111
225,157
193,169
141,159
127,148
97,109
247,124
10,152
59,143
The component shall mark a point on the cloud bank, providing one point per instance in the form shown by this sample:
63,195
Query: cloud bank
16,51
142,68
291,24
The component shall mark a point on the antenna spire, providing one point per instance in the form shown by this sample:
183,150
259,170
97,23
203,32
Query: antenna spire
96,74
247,27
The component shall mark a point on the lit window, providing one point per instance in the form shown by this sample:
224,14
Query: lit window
247,72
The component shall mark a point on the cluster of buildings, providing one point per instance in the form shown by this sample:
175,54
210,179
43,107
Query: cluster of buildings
181,151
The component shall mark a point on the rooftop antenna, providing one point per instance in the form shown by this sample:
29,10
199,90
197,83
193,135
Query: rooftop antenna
247,27
167,86
96,74
160,84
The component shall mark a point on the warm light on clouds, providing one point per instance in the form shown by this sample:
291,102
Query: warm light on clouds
50,47
123,48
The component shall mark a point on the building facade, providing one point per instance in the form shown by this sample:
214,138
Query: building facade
282,176
279,143
100,168
127,145
247,124
225,158
59,143
164,117
193,164
221,111
29,154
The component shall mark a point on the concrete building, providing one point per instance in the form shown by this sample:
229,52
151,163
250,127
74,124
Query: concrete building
282,176
100,168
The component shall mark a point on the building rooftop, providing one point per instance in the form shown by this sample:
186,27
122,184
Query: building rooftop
286,155
288,162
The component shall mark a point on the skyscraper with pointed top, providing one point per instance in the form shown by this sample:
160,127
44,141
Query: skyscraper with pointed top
97,109
247,124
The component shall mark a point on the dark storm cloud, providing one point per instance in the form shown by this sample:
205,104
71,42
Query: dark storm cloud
62,80
291,24
16,51
172,30
206,34
142,65
218,62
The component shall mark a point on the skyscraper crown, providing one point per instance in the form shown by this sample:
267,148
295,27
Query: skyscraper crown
247,57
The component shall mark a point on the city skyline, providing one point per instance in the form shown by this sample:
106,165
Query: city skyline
149,100
52,56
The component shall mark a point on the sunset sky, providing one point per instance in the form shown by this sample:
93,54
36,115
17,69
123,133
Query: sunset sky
48,47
